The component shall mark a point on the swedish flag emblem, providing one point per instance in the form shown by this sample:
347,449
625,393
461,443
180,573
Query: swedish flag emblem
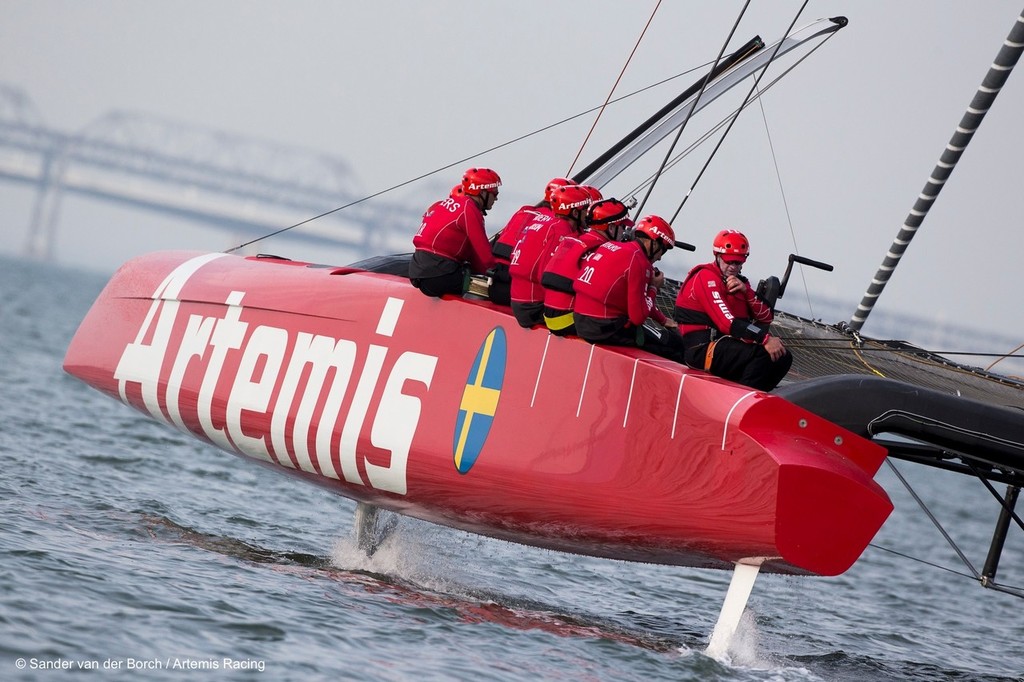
479,400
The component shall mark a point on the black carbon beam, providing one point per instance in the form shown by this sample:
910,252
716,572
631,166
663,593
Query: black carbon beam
996,77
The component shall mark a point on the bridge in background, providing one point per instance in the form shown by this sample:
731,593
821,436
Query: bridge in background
243,185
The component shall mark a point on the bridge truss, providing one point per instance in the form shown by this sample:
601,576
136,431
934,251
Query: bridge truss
244,185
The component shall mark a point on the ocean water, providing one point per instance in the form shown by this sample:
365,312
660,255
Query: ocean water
131,551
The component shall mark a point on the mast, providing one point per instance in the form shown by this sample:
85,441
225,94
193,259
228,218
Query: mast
994,80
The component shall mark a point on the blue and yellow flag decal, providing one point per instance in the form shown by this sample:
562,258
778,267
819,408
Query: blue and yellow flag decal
480,400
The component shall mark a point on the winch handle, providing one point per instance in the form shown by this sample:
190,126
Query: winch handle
793,258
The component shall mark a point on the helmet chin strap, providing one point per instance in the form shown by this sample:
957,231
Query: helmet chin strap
482,203
580,219
648,245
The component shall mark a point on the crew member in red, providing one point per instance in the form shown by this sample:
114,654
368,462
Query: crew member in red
616,289
452,242
723,322
607,220
501,282
533,250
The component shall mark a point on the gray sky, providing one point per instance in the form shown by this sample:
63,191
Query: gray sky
401,88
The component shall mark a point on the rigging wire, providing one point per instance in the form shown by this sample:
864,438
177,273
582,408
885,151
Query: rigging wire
721,123
839,344
612,91
469,158
1003,356
531,134
753,88
995,493
1007,589
693,107
935,522
974,574
785,202
920,560
921,355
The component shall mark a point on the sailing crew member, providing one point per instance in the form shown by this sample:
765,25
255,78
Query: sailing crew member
616,289
534,249
501,282
607,219
723,322
452,243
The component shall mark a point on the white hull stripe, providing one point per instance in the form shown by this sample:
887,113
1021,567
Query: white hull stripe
679,397
586,376
629,398
540,370
725,428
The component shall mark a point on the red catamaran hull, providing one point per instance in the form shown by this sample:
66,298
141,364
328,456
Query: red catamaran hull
448,411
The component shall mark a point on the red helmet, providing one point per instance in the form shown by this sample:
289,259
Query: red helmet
595,193
732,245
477,180
456,191
603,214
566,199
656,228
554,184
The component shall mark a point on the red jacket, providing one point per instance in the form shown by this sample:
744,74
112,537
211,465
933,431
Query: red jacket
615,281
564,266
704,302
509,236
454,228
533,250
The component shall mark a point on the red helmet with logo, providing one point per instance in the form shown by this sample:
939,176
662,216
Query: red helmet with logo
565,200
603,214
595,193
554,184
658,229
477,180
731,245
